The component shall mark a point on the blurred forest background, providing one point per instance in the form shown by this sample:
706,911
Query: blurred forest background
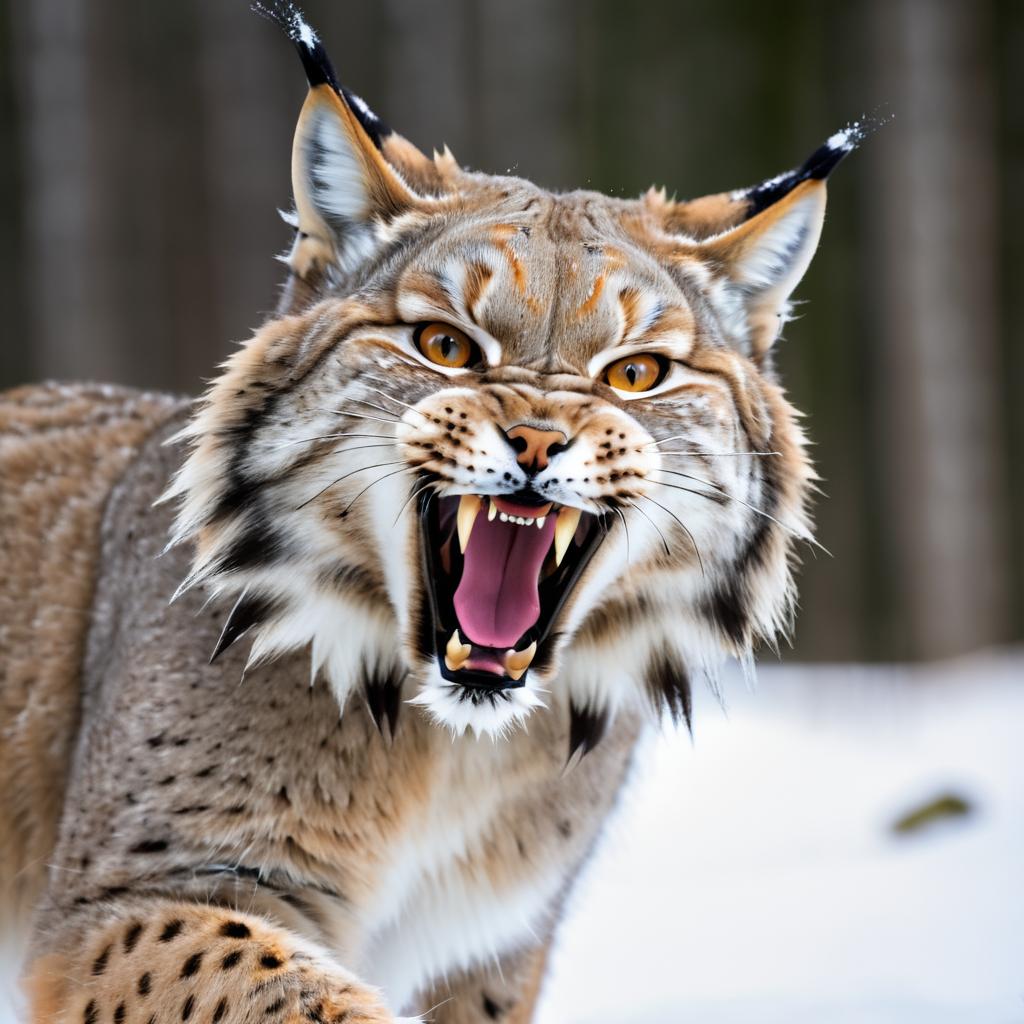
146,145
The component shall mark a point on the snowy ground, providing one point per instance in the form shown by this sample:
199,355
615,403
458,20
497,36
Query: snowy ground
752,876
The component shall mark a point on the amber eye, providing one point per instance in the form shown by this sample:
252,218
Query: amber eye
636,373
446,346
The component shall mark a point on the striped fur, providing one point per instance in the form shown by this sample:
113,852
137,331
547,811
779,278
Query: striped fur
217,850
311,449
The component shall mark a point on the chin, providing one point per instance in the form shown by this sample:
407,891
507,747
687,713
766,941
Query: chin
499,572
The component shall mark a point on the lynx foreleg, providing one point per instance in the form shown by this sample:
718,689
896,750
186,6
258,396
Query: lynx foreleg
181,963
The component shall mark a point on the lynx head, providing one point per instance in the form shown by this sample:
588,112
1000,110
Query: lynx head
502,447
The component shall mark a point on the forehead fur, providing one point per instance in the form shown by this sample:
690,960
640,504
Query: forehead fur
558,278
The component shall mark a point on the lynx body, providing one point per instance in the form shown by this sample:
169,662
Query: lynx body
506,471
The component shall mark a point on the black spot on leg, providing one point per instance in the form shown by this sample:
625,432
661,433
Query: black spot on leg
89,1017
99,965
149,846
231,960
188,1007
277,1004
131,937
220,1010
119,1014
145,983
191,965
171,930
492,1009
235,930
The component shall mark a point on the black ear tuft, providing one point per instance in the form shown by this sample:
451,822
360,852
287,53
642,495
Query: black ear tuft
317,65
247,612
817,166
587,727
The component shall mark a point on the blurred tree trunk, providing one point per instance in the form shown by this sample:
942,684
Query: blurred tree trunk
251,88
68,308
938,345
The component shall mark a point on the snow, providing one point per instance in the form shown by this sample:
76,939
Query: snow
306,34
849,138
753,875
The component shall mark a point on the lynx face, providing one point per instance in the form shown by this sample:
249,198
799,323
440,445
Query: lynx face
502,446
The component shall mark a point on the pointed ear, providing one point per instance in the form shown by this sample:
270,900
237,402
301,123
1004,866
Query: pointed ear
346,189
760,263
758,241
342,185
710,215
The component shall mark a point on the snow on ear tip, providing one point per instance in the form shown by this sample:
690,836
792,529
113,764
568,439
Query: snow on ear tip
818,166
317,64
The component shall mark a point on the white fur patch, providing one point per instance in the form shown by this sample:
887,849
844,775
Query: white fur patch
339,175
492,714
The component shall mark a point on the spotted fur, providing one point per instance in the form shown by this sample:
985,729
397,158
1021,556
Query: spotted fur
265,801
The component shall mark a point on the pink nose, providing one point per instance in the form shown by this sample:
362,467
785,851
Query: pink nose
534,447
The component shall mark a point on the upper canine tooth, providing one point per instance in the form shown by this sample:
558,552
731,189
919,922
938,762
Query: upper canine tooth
469,505
565,529
456,652
492,511
517,662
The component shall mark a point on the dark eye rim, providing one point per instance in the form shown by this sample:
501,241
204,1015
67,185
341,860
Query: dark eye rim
476,354
664,365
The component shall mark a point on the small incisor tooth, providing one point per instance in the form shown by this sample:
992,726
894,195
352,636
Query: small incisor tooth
517,662
469,505
565,529
456,652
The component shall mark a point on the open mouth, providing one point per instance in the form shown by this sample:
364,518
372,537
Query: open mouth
498,571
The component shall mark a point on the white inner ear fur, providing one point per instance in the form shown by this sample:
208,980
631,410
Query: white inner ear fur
769,262
336,176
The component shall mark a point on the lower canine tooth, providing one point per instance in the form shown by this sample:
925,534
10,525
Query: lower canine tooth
565,530
456,653
469,506
517,662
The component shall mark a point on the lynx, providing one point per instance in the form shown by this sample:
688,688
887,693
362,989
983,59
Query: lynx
504,474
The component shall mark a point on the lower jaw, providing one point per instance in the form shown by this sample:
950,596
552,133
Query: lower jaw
480,679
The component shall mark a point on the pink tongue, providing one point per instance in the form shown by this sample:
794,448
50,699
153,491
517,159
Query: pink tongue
497,599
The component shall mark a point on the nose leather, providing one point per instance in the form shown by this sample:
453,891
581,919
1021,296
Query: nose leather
533,446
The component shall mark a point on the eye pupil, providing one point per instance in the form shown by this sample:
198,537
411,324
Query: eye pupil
631,374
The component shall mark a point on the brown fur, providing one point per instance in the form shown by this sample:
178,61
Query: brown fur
60,450
253,838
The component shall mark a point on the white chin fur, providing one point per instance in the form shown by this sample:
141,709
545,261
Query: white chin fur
457,708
